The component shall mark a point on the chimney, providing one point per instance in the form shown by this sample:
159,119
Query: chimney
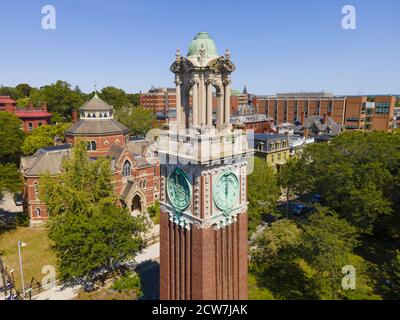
30,106
74,116
324,118
44,106
302,118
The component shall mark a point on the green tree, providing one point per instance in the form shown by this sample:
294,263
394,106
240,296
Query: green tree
263,193
327,241
115,97
356,176
45,136
392,272
89,230
24,89
134,99
59,97
23,102
138,119
11,137
10,179
292,179
275,262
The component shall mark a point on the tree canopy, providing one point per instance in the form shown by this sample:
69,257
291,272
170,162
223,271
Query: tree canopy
138,119
115,97
263,192
11,137
59,97
45,136
357,175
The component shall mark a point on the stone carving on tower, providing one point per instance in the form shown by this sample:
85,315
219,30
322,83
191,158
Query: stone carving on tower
204,183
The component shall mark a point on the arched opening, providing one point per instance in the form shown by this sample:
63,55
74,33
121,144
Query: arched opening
126,170
136,204
37,212
193,113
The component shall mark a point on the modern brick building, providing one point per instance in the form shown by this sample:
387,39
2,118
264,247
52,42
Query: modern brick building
135,168
350,111
31,117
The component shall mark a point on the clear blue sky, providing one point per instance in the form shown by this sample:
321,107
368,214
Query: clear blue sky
277,46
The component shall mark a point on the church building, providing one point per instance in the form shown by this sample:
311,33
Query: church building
135,168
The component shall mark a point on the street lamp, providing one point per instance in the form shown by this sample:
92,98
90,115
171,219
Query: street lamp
21,244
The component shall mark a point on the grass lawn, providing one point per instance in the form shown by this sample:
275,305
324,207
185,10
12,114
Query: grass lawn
256,293
35,254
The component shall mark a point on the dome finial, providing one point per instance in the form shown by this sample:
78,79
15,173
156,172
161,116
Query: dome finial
95,90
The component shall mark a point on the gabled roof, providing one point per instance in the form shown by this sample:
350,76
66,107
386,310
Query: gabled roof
46,160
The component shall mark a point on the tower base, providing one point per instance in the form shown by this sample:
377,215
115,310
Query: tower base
203,263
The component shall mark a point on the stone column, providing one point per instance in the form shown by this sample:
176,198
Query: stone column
195,98
202,101
227,101
178,103
220,110
209,103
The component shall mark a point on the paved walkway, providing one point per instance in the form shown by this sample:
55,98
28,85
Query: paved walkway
7,203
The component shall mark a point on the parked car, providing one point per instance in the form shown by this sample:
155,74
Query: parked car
302,209
299,209
18,199
316,198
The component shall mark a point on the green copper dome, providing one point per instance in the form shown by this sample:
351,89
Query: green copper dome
203,39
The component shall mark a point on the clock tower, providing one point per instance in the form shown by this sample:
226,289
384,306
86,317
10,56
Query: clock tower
204,165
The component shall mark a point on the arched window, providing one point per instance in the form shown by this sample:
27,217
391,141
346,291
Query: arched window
126,169
88,115
92,146
37,212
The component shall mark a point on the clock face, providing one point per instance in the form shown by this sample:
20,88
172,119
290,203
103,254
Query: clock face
178,189
226,192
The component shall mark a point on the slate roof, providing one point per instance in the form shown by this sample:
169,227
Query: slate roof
96,104
96,127
330,128
45,160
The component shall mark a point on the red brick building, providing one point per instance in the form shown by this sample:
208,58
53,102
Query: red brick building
353,112
31,117
135,169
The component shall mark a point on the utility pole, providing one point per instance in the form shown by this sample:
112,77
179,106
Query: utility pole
21,244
